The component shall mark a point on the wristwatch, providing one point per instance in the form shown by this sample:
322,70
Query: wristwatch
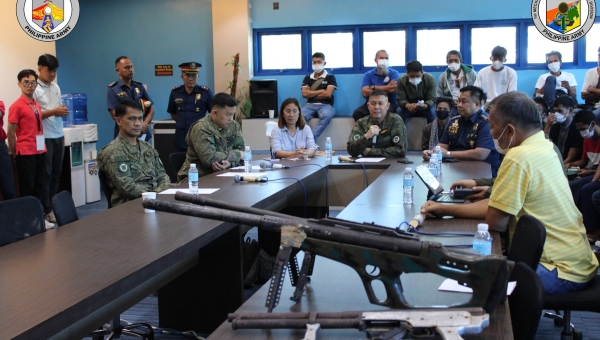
448,154
373,87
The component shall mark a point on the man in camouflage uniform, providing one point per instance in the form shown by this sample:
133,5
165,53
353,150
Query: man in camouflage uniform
131,166
389,128
215,141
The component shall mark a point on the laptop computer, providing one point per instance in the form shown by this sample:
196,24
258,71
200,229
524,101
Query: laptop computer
435,187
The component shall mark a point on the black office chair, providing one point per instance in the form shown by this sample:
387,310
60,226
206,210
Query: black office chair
528,241
107,190
177,159
525,302
64,208
20,218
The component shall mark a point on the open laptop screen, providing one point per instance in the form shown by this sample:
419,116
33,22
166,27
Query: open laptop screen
427,178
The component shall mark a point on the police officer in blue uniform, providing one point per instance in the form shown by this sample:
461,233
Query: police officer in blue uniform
467,136
127,88
188,103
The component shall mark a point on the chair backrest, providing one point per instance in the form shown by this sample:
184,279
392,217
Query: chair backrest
20,218
104,183
525,302
528,241
177,159
64,208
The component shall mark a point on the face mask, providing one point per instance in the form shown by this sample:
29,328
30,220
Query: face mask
497,64
554,67
415,81
560,118
587,133
318,67
497,144
442,114
453,67
383,63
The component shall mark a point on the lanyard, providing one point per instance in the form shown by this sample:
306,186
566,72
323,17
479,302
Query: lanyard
37,116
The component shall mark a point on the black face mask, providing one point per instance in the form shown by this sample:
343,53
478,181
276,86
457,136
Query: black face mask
442,114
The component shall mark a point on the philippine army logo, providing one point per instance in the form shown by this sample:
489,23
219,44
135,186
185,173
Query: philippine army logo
563,21
47,20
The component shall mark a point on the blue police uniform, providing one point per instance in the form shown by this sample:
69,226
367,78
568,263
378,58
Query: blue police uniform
465,134
188,108
118,91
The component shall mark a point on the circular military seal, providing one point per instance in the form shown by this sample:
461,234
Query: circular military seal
47,20
560,22
356,137
396,139
123,167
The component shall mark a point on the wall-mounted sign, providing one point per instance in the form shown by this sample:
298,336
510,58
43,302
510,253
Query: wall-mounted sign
163,70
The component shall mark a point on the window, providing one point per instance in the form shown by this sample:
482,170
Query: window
538,46
282,51
394,42
484,39
337,48
592,42
433,45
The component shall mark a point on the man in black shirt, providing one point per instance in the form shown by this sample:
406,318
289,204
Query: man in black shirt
562,132
318,89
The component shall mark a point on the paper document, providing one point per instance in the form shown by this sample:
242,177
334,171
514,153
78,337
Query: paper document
369,160
249,174
241,167
187,191
450,285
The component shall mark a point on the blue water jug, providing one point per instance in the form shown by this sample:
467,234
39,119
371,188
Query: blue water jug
67,99
80,108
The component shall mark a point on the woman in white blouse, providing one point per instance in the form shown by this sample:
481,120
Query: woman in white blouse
292,138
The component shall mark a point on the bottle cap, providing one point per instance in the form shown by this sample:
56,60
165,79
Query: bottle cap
408,169
192,165
482,227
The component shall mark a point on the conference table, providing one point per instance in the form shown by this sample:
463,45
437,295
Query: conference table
65,282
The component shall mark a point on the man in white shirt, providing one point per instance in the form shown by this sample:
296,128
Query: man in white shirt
497,79
556,82
590,92
48,95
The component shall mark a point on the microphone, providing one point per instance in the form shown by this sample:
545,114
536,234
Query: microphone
374,139
269,165
239,178
417,221
346,159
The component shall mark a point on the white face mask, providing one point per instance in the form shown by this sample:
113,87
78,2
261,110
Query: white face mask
560,118
587,133
497,144
415,81
318,67
383,63
497,64
554,67
453,67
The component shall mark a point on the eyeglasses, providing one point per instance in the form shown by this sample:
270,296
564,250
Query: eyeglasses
28,83
291,112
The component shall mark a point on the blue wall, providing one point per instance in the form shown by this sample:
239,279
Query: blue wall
150,32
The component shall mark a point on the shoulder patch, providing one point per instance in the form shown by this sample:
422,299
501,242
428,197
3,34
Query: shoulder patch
120,158
205,88
135,81
176,87
123,167
112,84
396,139
356,137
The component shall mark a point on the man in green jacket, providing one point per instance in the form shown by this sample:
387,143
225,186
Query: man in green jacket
416,93
456,76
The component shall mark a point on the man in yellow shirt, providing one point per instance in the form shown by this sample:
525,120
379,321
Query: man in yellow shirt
530,181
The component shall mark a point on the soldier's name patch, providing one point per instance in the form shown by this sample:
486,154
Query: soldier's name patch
383,131
178,100
396,139
122,94
123,167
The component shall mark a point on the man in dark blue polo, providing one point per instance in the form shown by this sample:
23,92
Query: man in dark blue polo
127,88
380,78
467,136
188,103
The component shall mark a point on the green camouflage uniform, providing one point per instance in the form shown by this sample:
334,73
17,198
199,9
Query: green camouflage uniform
131,170
391,141
209,144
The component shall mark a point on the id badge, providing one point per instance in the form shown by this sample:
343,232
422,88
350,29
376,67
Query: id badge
386,79
40,143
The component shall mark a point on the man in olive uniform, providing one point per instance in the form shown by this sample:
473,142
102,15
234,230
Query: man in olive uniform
131,166
215,141
467,136
188,103
388,128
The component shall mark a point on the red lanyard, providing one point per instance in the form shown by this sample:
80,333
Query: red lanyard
37,116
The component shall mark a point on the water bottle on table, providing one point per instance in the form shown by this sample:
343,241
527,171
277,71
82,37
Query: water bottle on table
409,185
247,159
433,167
193,179
482,242
437,151
328,149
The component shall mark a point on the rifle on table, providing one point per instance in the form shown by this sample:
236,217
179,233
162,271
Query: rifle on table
450,324
360,246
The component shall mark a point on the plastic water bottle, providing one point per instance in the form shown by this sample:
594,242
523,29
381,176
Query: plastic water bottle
80,107
409,185
247,159
328,149
193,179
437,151
67,100
433,167
482,242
